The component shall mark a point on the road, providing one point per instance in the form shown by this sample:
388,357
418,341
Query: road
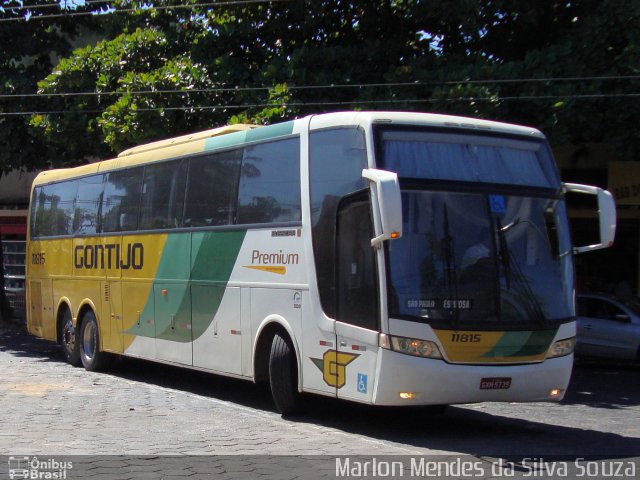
140,409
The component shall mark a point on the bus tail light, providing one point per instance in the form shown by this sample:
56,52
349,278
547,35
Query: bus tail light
562,348
410,346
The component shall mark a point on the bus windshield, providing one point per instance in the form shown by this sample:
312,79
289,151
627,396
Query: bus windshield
467,158
476,252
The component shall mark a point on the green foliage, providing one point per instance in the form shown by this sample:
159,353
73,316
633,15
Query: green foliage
27,53
164,71
134,118
141,61
597,38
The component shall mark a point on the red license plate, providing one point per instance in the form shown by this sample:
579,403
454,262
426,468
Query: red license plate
495,383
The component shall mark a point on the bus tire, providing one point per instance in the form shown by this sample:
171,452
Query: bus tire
91,356
283,375
69,339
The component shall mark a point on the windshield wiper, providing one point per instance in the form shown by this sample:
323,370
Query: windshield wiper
450,265
504,249
511,267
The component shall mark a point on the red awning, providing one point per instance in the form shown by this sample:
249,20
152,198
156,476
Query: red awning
13,229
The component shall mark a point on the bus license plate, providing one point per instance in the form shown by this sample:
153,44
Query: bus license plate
495,383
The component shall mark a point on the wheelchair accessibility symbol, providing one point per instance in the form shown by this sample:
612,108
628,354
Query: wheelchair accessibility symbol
362,383
498,204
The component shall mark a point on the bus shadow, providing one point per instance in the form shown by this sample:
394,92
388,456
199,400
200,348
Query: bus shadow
469,430
604,384
482,430
465,429
218,387
15,340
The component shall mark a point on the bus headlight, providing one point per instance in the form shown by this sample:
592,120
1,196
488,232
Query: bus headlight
562,348
415,347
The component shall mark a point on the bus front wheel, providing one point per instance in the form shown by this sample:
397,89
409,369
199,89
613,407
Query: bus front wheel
69,339
283,375
92,358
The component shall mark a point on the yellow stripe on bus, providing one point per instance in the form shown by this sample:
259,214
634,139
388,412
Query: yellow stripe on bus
279,269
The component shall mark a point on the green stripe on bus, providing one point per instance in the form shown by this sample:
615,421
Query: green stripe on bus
253,135
272,131
193,299
214,255
521,344
538,343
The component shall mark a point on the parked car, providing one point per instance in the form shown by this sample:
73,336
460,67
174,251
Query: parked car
608,327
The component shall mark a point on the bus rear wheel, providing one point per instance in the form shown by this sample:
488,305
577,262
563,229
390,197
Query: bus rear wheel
283,375
69,340
91,356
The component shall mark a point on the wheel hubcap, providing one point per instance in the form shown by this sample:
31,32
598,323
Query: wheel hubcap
89,340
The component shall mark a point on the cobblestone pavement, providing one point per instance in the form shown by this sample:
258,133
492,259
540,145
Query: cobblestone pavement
140,408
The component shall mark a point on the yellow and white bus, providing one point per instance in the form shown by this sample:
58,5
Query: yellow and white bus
382,257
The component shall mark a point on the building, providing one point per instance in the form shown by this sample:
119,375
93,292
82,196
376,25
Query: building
14,204
616,269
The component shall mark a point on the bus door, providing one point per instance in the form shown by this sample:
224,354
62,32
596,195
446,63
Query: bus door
129,286
41,308
357,300
217,328
112,313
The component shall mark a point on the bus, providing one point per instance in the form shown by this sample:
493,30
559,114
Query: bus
385,258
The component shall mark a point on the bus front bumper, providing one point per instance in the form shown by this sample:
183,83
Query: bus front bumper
408,380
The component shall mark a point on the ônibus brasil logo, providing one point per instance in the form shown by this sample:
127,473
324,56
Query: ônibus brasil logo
34,468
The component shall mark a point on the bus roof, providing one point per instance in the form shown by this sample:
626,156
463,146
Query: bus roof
466,124
233,135
170,142
160,150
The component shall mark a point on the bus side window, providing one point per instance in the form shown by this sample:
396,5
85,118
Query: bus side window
54,214
121,200
85,218
212,189
270,183
37,212
163,194
336,159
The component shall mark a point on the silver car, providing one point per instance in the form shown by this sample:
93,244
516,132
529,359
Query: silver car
608,327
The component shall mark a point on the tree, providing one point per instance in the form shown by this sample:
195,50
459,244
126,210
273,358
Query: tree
165,67
194,66
30,49
517,44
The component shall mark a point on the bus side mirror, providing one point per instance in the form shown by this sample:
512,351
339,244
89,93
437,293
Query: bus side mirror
606,215
387,201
